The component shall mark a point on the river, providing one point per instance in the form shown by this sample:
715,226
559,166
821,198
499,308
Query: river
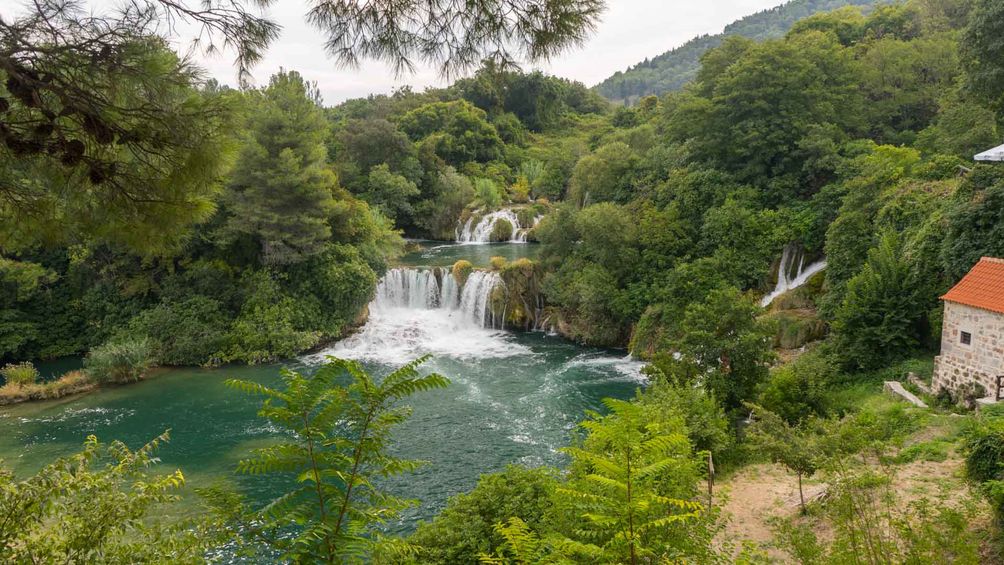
513,398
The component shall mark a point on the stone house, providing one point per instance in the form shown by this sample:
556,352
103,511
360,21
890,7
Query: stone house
972,337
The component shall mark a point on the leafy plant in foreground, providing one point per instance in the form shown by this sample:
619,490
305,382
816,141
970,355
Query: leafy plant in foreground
617,489
77,511
340,434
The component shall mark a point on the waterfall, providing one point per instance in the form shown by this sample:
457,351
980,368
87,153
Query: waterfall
419,311
481,231
790,278
436,289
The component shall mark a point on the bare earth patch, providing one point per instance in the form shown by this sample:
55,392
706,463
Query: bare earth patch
759,493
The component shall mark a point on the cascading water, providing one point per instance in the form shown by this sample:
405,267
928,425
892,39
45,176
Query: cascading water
789,279
418,311
481,231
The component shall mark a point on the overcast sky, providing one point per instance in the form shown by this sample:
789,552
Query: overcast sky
630,31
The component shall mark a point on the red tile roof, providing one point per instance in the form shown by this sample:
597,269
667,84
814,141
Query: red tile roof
982,288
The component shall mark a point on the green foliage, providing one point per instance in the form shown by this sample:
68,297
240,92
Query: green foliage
119,361
487,193
872,525
879,319
190,332
796,447
775,113
452,192
19,373
267,328
457,132
799,389
466,528
340,432
502,230
727,344
390,193
461,270
282,191
982,47
626,483
924,451
962,128
975,225
98,506
708,427
603,176
984,449
118,144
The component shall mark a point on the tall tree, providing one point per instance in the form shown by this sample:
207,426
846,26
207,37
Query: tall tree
983,52
282,192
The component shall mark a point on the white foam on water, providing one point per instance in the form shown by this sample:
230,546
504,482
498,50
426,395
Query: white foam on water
626,366
480,233
424,311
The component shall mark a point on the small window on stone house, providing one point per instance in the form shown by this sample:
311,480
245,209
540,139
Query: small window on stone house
966,338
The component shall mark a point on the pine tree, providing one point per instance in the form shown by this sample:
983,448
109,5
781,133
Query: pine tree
283,191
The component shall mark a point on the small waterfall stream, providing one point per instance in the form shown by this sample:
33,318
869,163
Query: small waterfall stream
790,278
481,231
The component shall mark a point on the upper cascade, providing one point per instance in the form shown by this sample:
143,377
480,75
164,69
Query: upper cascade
790,278
483,231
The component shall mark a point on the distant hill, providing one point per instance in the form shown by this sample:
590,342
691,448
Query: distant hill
671,70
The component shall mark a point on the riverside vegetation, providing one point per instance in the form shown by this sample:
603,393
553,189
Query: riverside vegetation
211,225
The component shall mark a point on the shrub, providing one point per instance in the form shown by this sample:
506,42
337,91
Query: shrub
461,270
497,263
501,231
20,373
119,361
525,216
924,451
189,332
796,329
799,389
270,324
464,530
487,193
983,444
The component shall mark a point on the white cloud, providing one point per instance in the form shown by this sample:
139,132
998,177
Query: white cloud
630,31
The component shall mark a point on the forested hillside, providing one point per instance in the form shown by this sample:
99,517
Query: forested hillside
673,69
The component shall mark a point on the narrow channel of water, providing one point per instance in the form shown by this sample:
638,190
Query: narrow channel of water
514,398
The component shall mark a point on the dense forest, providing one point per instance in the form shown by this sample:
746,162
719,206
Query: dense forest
675,68
250,225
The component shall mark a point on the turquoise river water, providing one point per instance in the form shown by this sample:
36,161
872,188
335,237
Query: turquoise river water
513,398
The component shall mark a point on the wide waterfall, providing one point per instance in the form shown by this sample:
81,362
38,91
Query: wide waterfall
790,278
417,311
481,232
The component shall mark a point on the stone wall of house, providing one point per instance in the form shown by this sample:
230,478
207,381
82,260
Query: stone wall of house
980,361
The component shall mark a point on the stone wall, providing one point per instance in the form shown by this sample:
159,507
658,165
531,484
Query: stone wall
981,360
